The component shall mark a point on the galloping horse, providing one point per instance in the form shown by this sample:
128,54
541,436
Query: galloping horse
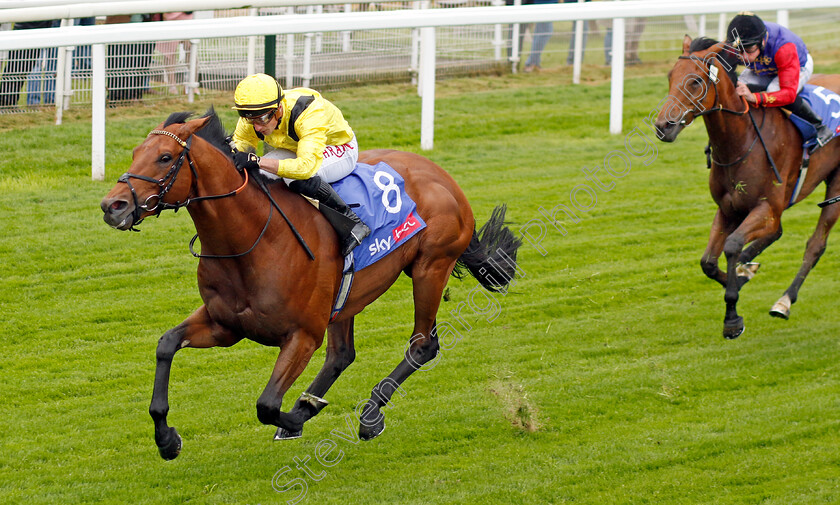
742,181
258,282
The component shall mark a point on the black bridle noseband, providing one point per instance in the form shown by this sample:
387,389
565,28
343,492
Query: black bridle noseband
165,184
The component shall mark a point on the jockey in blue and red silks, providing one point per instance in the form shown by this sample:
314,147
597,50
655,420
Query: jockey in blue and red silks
778,66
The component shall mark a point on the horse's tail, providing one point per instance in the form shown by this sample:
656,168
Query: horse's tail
491,255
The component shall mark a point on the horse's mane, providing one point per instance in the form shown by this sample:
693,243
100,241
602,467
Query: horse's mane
731,59
213,131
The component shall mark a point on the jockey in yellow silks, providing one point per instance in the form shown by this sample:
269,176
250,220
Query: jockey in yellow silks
313,144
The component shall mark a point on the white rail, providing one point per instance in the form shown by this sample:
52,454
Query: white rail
424,18
38,10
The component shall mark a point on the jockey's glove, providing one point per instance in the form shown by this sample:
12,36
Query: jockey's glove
244,161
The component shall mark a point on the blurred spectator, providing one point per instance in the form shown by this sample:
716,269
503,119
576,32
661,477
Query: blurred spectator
633,28
570,58
169,51
81,56
522,28
20,64
43,71
539,38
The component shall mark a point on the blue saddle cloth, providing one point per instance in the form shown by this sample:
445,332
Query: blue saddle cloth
826,104
377,195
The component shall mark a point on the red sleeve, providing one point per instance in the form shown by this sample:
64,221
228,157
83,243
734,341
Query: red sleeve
787,63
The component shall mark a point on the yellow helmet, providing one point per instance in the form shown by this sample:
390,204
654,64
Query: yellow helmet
257,94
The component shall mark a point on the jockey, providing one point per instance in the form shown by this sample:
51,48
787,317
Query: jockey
314,145
778,66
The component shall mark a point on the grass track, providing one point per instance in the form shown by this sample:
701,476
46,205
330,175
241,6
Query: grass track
609,347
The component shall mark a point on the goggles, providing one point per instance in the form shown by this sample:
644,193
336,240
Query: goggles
260,120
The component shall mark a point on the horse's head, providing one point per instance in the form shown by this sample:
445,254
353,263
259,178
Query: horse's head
702,81
155,181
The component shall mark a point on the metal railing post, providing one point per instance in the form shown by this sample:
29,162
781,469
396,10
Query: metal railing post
617,77
428,65
98,99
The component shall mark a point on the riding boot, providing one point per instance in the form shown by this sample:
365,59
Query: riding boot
349,237
803,109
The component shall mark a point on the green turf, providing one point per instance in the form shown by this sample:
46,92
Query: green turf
603,378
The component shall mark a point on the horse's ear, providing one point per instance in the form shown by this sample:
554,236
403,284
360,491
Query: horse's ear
686,44
196,124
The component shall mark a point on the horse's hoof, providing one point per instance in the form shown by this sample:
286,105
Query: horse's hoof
734,329
371,432
290,422
171,448
284,434
781,308
747,270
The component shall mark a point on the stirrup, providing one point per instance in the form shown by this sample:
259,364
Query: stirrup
824,135
354,238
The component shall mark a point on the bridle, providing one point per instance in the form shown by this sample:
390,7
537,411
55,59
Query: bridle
718,107
165,184
714,80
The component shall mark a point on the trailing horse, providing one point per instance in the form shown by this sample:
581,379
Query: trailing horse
753,177
274,281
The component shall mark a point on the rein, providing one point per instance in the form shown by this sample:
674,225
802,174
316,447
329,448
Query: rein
721,108
710,159
166,182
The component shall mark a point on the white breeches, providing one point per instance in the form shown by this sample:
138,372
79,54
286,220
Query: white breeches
338,161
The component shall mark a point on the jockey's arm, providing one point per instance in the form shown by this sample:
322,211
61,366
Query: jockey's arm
310,154
787,63
245,138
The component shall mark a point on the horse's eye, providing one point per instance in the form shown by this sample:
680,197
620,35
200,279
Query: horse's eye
165,158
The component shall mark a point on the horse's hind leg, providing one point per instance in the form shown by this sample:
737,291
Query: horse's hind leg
340,354
746,269
196,331
813,250
428,283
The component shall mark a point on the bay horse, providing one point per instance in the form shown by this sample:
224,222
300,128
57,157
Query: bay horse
742,181
257,280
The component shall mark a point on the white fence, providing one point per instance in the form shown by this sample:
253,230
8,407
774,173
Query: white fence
428,20
164,69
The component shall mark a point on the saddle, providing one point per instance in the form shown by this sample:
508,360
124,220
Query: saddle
826,104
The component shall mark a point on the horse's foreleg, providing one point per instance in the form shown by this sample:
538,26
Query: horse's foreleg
758,246
760,223
428,284
291,362
709,262
813,251
196,331
340,354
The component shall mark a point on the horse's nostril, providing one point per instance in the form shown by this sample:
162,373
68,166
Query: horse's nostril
113,206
